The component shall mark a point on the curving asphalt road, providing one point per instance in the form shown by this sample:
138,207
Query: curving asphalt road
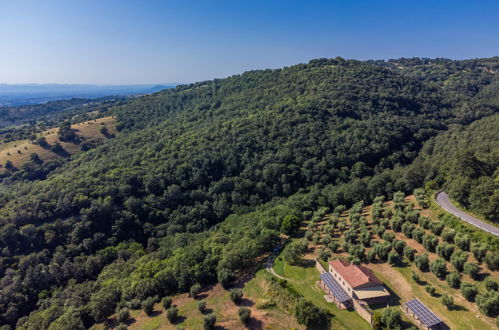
445,203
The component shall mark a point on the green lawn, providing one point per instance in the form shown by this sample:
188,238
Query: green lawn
303,280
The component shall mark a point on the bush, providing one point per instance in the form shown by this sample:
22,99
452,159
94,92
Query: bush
121,326
122,315
462,241
308,314
471,269
488,303
418,234
409,253
415,277
389,237
430,242
148,305
490,284
392,318
371,255
453,279
172,314
209,321
202,306
448,235
195,290
244,315
448,301
492,260
445,251
166,302
479,251
399,246
236,295
422,262
290,224
439,267
437,227
430,289
393,258
469,291
458,259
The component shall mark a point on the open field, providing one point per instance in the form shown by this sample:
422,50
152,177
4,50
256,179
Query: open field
218,302
18,152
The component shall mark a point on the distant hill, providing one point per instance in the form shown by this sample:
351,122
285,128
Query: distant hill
23,94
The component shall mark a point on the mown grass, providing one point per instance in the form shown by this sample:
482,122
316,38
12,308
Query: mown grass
303,280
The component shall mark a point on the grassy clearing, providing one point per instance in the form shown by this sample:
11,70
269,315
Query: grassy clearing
218,302
18,152
303,280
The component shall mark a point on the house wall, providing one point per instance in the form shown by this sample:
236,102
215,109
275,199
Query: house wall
344,284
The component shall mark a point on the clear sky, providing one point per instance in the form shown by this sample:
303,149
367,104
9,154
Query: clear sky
131,42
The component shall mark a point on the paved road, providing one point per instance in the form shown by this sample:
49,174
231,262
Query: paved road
445,203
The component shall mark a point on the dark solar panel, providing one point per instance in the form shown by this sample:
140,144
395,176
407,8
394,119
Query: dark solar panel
423,313
335,288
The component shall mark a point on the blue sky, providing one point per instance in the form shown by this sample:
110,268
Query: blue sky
131,42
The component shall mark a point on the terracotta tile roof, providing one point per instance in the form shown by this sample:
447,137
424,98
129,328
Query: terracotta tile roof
355,275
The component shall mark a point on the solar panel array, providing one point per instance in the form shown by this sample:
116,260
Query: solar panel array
335,288
423,313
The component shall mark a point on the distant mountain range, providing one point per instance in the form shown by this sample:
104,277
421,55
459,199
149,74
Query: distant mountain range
22,94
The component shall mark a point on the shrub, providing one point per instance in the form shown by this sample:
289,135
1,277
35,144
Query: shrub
399,246
236,295
471,269
422,262
437,227
445,251
122,315
148,305
172,314
448,235
308,314
448,301
409,253
415,277
392,318
457,259
371,255
195,290
488,303
453,279
439,267
324,254
430,242
209,321
166,302
418,234
469,291
121,326
290,224
244,315
430,289
492,260
462,241
202,306
490,284
390,237
393,258
479,251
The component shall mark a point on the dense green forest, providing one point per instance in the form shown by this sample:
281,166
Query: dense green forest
196,184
